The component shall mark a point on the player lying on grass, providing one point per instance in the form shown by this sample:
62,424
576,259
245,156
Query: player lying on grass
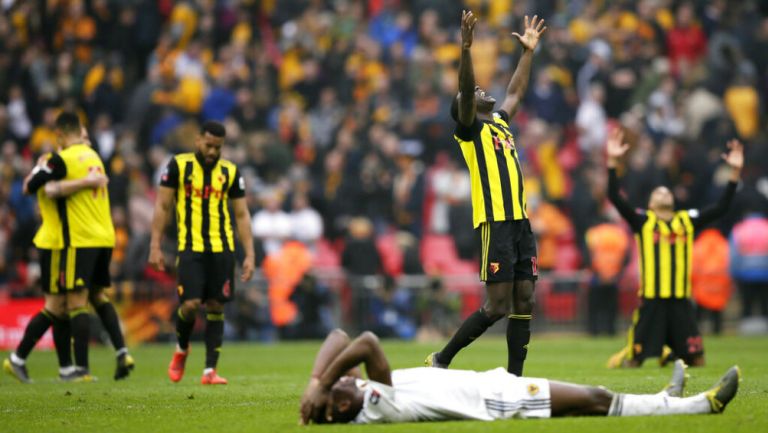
336,394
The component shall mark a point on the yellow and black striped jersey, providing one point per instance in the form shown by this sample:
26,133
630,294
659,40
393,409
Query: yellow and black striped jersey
85,215
81,220
665,248
202,197
49,235
489,150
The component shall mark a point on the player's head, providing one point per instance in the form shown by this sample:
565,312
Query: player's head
346,400
661,199
209,141
67,127
483,101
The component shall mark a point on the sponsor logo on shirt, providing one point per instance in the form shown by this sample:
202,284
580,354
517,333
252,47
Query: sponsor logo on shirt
375,397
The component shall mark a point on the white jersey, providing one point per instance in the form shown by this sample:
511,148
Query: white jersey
435,394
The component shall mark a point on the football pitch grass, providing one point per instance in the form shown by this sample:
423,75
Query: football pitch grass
266,382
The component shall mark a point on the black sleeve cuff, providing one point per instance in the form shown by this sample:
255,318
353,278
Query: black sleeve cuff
237,190
170,176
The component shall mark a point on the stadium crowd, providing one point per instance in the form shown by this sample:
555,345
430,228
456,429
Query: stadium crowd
337,113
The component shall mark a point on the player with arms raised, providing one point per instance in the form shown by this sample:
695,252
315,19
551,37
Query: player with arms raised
508,259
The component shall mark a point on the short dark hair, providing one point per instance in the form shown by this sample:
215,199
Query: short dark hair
214,128
68,122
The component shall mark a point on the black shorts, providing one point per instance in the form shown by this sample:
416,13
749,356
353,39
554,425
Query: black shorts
665,321
206,276
508,251
50,265
74,269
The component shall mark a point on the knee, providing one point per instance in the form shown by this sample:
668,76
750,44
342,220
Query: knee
496,309
524,299
97,298
190,306
56,305
599,400
212,306
76,300
524,306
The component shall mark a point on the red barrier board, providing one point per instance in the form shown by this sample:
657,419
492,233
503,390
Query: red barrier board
14,316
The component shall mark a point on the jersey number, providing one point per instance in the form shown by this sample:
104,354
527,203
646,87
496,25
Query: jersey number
102,190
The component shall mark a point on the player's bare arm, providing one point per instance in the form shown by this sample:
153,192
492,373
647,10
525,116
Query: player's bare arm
163,210
734,158
333,345
518,85
467,105
243,222
364,349
64,188
615,147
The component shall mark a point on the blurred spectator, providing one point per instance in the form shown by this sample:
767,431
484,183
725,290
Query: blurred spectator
743,104
409,189
591,120
271,225
438,311
686,43
609,250
306,223
360,256
450,186
749,263
284,271
710,282
313,301
595,69
391,311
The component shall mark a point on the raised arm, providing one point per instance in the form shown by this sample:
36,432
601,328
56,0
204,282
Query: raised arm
616,148
467,105
243,222
519,82
166,197
735,160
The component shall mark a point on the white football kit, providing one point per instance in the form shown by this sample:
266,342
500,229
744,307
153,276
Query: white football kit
435,394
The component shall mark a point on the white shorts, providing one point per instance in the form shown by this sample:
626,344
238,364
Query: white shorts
508,396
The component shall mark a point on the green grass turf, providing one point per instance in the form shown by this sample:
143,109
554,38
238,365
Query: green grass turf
267,380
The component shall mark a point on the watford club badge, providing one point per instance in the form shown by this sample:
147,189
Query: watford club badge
180,288
533,389
225,290
494,266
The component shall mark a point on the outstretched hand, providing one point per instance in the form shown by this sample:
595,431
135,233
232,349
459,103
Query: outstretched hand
735,156
533,31
468,21
615,146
